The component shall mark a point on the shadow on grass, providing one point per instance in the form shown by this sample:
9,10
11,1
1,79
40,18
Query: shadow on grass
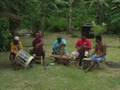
111,64
5,66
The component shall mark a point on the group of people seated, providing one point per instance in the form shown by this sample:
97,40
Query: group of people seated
83,49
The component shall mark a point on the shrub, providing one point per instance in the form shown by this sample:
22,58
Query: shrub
99,29
5,36
57,24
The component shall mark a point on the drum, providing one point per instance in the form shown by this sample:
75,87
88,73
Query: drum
86,63
23,58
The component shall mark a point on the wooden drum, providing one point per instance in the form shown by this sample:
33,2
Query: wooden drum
23,58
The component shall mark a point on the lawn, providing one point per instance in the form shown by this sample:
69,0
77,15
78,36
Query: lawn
60,77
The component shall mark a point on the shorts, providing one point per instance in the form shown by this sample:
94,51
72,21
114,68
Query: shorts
97,59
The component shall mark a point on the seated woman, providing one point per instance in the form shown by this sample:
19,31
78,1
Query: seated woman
99,53
16,46
83,46
38,48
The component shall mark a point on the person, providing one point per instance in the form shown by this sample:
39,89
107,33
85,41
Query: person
59,51
16,46
99,53
83,47
57,45
38,48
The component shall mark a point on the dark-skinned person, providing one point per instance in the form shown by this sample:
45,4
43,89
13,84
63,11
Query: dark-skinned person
99,53
83,47
59,51
38,48
16,46
57,45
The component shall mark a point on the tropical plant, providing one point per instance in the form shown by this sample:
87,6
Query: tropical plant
101,6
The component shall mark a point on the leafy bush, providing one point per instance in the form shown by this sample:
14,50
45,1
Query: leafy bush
115,16
57,23
99,29
5,36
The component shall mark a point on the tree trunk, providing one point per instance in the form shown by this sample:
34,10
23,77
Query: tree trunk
43,23
70,17
100,14
14,21
13,26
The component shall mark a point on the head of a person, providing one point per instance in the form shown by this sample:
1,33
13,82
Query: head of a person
59,39
83,37
16,40
98,38
38,35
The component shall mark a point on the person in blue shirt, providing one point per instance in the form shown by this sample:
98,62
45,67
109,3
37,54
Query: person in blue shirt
57,45
59,51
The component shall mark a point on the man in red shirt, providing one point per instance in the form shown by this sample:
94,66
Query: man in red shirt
83,47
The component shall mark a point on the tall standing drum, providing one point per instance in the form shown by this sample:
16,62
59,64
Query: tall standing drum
23,58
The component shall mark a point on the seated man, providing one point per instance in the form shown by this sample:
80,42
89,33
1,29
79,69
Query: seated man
57,45
38,49
99,53
83,47
16,46
59,51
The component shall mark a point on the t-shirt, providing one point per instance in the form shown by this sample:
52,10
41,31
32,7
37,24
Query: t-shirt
84,42
56,45
16,48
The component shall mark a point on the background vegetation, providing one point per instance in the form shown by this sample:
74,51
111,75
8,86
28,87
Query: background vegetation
58,14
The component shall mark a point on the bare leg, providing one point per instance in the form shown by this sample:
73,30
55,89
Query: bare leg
38,59
43,59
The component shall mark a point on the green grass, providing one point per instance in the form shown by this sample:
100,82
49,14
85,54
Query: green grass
59,77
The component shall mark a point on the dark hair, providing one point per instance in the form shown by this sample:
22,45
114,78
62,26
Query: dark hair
59,39
99,37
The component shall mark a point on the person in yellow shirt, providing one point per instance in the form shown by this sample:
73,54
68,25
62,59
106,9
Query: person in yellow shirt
16,46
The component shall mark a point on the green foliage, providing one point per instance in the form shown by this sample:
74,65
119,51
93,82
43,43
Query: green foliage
54,14
5,36
3,24
99,29
115,16
57,23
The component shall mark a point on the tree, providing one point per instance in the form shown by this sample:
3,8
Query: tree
14,11
100,6
114,16
70,26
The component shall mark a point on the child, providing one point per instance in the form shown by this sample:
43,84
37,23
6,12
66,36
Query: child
99,53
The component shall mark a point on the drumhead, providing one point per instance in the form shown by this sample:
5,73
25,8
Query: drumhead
23,58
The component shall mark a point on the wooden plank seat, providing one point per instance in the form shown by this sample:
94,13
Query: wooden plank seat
65,60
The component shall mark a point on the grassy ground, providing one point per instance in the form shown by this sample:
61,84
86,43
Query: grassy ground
59,77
